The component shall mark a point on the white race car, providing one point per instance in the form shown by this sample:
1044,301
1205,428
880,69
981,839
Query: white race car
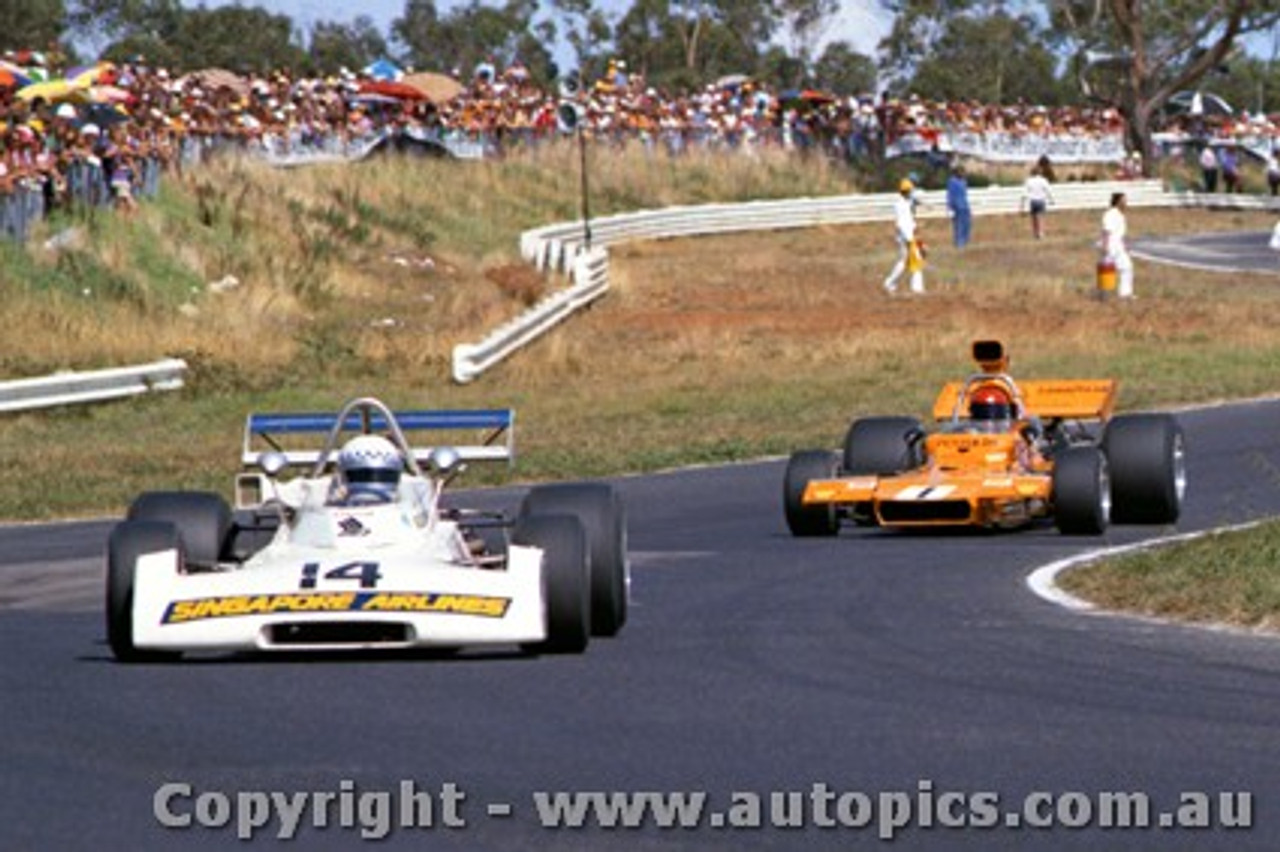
358,553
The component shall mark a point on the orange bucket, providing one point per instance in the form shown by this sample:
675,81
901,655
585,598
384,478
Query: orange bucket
1106,276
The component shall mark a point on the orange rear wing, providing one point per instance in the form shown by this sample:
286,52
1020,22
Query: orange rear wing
1049,399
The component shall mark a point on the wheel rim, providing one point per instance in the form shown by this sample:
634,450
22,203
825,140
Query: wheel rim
1104,490
1179,468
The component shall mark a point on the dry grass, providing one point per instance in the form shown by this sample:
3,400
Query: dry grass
803,304
390,261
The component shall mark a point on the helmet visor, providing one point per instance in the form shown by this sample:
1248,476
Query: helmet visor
373,475
990,411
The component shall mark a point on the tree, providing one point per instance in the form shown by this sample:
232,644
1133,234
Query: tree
32,24
843,70
691,19
467,36
779,68
586,29
142,29
804,23
683,44
335,45
645,36
1135,56
114,20
754,23
165,33
240,38
1249,83
995,58
917,26
531,49
420,30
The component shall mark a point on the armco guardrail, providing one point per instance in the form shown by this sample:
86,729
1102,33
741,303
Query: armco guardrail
553,247
590,277
94,386
560,247
1223,201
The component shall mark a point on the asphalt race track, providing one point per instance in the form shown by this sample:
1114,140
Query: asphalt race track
876,663
1246,252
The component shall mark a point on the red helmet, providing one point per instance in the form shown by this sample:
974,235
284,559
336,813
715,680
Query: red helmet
991,402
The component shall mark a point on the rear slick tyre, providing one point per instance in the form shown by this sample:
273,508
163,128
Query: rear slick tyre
882,446
202,518
1146,454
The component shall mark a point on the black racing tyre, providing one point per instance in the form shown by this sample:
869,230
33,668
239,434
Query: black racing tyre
604,517
203,520
566,569
128,541
1148,468
1081,491
808,521
879,446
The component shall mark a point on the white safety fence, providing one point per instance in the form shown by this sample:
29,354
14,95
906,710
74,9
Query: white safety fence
560,247
72,388
590,279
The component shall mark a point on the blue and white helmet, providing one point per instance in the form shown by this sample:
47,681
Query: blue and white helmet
371,465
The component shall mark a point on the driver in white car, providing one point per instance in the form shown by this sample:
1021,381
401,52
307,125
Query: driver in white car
369,470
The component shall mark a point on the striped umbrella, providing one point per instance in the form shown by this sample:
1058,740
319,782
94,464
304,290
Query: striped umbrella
53,90
12,77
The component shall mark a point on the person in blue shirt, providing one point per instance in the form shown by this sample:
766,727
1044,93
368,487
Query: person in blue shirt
1230,169
958,206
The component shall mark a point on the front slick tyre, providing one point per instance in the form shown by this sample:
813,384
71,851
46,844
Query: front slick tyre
129,541
565,580
1081,492
809,521
603,515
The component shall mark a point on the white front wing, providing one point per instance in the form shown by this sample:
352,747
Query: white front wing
321,599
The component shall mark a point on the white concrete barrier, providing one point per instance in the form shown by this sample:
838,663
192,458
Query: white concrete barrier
72,388
589,279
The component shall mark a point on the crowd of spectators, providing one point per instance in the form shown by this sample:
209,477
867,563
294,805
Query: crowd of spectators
108,135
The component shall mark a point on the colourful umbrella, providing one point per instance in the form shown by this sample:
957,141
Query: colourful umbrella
89,75
12,80
53,90
437,87
392,89
13,77
383,69
109,95
213,79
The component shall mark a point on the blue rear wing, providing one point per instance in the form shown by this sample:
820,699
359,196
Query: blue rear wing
491,433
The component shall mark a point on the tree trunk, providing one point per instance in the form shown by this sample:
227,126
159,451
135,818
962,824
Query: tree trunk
1138,131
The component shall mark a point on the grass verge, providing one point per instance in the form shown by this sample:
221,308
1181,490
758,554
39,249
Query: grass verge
1227,578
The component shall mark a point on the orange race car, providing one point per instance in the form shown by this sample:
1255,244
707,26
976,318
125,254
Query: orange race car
1005,454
